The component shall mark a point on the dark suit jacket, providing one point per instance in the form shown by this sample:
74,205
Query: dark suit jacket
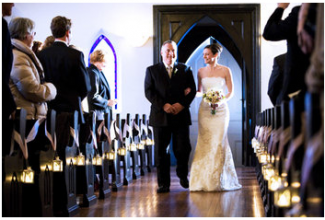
100,92
65,68
296,61
276,80
8,103
160,89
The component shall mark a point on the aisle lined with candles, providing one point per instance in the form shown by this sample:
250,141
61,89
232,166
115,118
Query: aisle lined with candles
139,199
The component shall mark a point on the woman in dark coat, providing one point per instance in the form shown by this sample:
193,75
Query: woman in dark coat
99,98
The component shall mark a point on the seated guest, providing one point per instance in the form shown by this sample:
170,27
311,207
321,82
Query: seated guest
27,76
99,98
65,68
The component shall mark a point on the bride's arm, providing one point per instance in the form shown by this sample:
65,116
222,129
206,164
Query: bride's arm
199,92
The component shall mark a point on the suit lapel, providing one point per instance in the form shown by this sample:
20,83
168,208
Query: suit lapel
163,72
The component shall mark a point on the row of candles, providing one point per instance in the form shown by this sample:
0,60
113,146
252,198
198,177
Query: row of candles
27,175
285,196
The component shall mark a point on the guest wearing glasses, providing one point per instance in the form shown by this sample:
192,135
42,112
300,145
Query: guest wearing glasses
27,83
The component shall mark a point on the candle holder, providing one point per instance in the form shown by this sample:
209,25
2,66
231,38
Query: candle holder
121,151
81,160
275,183
57,165
110,155
140,146
28,176
282,197
97,160
133,147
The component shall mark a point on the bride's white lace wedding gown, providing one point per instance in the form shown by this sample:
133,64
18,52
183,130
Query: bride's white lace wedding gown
213,166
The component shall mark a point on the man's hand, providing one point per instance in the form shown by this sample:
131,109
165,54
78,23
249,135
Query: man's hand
187,91
168,108
178,108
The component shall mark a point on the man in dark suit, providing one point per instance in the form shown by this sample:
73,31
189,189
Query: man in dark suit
276,80
296,62
8,103
65,68
170,88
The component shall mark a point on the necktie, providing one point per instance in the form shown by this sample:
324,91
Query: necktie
169,70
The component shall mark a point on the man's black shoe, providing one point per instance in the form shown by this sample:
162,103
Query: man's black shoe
184,183
163,189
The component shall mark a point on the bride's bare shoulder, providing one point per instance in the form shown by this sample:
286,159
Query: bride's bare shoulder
224,68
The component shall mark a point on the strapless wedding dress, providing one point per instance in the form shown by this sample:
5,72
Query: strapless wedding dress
213,167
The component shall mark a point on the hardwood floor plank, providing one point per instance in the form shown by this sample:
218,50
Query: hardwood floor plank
140,199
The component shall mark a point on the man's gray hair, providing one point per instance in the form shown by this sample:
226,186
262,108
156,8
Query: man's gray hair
169,42
19,27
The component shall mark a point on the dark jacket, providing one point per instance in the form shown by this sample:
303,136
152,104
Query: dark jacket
276,80
65,68
296,62
100,91
8,103
160,89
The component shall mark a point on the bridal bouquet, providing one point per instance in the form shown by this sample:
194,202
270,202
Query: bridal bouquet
213,97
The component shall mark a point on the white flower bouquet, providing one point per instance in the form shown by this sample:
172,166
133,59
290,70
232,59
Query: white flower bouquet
213,97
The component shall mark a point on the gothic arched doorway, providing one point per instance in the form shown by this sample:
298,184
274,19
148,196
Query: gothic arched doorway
237,29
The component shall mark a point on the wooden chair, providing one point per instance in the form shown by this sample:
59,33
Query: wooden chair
64,183
46,158
134,152
13,166
114,165
85,173
150,147
142,152
125,157
312,182
103,143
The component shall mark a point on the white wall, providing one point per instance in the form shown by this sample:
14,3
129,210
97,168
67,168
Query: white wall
119,20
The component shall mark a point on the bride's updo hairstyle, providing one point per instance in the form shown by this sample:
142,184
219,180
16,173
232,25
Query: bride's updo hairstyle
215,48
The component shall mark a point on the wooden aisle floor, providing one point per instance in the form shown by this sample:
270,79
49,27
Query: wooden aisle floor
139,199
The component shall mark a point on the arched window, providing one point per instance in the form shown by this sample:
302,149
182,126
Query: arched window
110,71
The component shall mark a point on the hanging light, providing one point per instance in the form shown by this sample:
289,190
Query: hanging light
282,197
262,157
140,146
99,160
110,155
133,147
121,151
295,198
295,186
57,165
274,183
149,142
71,160
269,171
28,175
81,160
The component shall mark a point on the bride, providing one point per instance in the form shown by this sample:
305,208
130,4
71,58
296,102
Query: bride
213,166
